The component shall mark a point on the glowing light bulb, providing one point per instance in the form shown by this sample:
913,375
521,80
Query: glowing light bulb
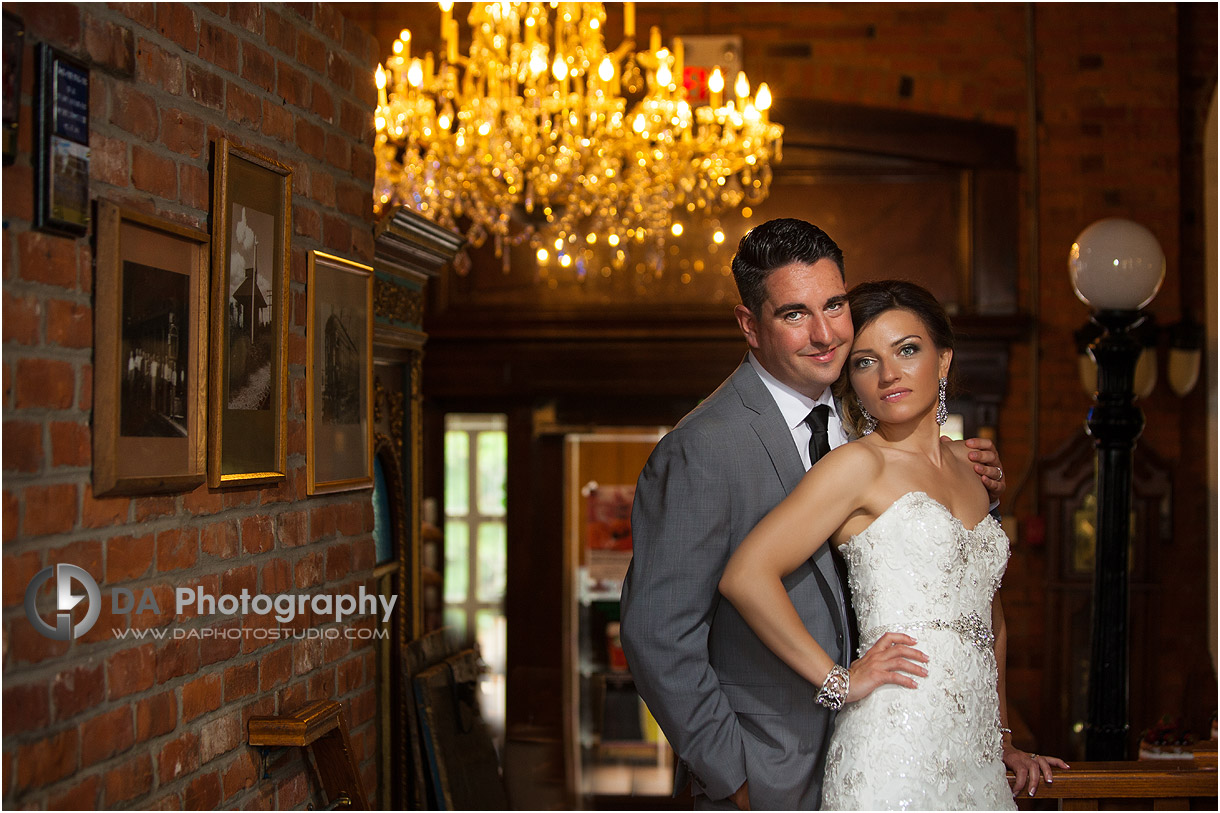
718,237
380,77
612,239
715,82
762,99
537,62
742,86
664,77
559,68
543,256
605,71
415,73
676,229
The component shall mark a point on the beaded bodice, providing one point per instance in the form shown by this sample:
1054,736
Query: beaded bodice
917,567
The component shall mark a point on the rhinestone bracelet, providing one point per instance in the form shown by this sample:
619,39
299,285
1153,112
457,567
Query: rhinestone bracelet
834,689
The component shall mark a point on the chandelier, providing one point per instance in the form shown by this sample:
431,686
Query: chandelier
540,135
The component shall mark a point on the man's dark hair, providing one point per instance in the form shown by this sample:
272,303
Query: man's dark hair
772,245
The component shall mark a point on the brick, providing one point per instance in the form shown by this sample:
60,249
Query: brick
18,186
22,446
153,173
219,736
204,86
311,139
177,658
98,512
182,133
12,512
45,258
256,534
70,444
178,757
44,761
194,186
241,106
49,509
129,557
277,577
236,579
46,383
292,85
22,318
258,65
322,104
201,695
306,222
309,571
176,22
177,549
156,715
130,670
135,112
128,781
202,793
278,121
220,539
27,645
19,570
341,72
218,47
351,518
81,796
55,22
292,793
240,681
292,528
157,67
241,773
76,690
224,644
275,668
321,683
321,522
108,161
27,707
110,46
338,562
105,735
152,507
350,676
311,52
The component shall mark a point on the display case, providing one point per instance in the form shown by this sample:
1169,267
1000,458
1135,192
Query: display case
616,749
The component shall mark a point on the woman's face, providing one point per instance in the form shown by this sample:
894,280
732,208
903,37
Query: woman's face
895,367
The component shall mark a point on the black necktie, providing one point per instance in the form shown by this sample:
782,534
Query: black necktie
819,439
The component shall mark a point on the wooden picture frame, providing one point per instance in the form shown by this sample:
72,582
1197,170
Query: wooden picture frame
339,375
150,354
61,143
251,240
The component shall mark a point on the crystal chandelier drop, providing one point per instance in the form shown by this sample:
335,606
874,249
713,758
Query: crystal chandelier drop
541,135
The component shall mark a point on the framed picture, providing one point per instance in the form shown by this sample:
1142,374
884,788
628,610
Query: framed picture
339,375
61,140
251,236
14,51
150,354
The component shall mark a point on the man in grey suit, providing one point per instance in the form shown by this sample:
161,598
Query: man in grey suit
746,728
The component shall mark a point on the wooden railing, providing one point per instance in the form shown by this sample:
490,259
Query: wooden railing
321,729
1143,785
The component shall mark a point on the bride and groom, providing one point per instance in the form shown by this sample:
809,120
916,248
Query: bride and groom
746,685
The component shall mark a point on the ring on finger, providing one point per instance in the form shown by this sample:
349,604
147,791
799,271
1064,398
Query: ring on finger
1000,475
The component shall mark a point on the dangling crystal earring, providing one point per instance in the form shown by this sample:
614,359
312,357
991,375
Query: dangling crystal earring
942,411
870,423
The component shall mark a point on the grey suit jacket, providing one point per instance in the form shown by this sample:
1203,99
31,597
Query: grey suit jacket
731,709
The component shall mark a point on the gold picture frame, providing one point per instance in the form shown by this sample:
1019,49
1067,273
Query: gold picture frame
150,354
251,240
338,375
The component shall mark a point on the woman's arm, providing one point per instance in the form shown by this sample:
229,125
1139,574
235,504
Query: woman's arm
815,511
1029,769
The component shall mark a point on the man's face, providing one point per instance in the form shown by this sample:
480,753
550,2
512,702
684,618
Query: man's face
803,333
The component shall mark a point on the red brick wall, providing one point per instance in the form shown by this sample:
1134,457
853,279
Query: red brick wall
110,723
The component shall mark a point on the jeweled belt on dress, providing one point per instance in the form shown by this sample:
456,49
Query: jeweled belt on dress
973,629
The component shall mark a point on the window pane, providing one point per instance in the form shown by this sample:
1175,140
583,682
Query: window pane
492,462
492,634
457,561
455,620
457,477
493,562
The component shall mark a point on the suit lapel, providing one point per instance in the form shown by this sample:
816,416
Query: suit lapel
768,424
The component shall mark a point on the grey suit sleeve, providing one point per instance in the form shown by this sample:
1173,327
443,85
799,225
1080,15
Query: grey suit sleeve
681,524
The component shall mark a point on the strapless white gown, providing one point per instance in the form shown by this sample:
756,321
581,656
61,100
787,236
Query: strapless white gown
918,570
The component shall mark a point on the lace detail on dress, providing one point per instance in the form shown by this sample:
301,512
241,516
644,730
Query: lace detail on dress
917,569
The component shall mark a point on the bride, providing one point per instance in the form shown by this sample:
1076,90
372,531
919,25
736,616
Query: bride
924,560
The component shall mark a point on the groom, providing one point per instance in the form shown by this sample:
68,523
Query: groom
746,729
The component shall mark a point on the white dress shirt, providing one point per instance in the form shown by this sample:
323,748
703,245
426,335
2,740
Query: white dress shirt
795,409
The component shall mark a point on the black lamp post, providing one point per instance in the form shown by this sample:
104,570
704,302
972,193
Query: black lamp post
1117,267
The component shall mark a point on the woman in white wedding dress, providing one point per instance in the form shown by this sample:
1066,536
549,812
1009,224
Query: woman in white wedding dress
923,724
